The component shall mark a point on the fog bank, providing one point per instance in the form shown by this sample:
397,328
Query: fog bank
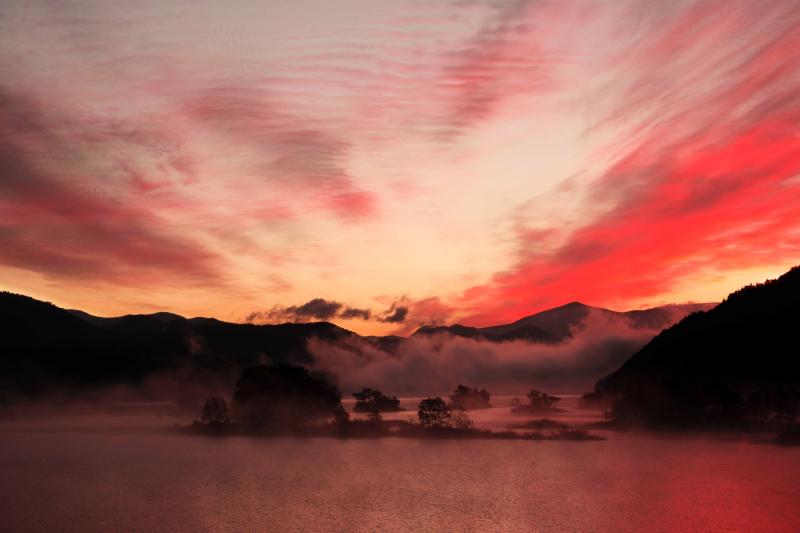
436,364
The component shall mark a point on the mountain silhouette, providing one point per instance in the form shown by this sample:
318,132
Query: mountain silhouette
713,364
48,350
560,323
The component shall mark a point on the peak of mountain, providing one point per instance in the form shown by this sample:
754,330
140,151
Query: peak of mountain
713,360
529,333
560,323
455,329
164,316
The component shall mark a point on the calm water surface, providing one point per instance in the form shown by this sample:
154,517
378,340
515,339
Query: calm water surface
65,477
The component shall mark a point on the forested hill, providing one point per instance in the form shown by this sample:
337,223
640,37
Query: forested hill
718,361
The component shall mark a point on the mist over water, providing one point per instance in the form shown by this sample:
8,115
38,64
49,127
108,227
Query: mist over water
99,473
437,363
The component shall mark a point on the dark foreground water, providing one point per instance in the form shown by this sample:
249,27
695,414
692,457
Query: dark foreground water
84,480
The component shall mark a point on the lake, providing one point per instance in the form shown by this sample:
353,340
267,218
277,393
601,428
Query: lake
121,474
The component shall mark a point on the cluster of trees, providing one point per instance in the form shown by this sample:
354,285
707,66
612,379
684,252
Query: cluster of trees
470,398
216,413
282,398
538,402
773,403
374,402
435,413
277,399
715,404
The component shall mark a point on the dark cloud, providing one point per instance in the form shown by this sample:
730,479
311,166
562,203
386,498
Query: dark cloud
317,309
322,309
352,312
395,315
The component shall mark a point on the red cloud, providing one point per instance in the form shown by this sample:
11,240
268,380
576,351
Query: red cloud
57,226
504,59
711,183
307,162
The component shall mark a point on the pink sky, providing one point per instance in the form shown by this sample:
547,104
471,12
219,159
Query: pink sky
385,164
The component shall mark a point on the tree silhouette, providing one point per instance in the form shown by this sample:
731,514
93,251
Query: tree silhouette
433,412
773,403
374,402
538,402
283,397
542,400
215,412
468,398
459,418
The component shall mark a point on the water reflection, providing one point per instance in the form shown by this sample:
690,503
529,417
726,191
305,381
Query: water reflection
130,480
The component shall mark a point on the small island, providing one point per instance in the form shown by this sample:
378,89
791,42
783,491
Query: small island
470,398
374,402
538,403
285,400
555,430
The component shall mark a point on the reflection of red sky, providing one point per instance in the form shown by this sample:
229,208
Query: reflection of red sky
709,489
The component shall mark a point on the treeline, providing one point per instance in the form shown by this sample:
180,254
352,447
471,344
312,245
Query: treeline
736,366
284,399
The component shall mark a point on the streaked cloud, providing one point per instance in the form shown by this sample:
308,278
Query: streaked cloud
486,159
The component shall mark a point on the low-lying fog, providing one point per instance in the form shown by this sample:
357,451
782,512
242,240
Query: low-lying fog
435,364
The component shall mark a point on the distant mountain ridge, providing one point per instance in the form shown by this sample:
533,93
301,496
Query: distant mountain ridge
559,323
44,348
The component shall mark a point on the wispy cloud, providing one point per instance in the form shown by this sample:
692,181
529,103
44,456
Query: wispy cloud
56,220
390,148
705,180
286,151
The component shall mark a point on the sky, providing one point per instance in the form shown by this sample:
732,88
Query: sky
386,164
